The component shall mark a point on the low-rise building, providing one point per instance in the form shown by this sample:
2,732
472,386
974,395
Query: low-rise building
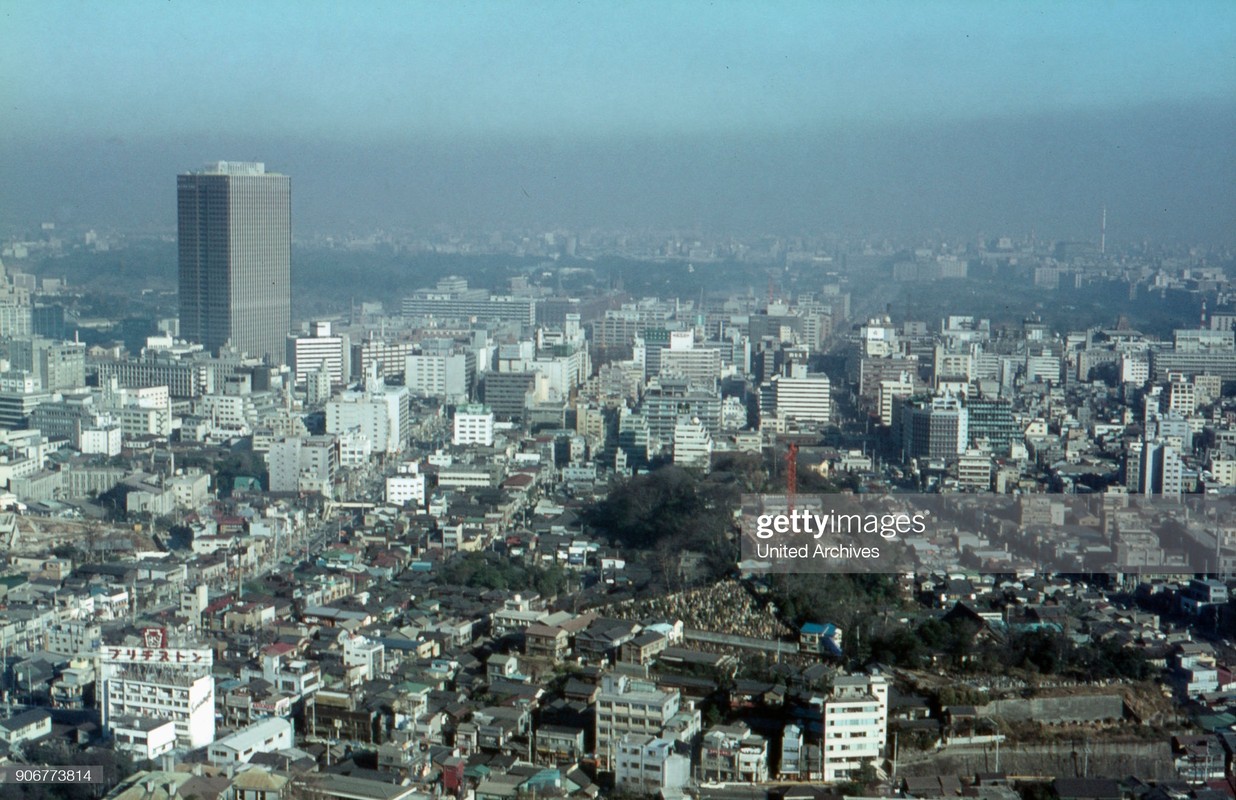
25,727
649,765
142,737
734,753
266,736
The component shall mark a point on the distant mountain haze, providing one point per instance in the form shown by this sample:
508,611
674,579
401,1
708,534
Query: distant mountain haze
1164,172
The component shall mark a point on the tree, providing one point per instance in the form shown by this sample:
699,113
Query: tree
236,464
116,766
675,509
901,647
860,780
747,469
115,501
838,598
490,571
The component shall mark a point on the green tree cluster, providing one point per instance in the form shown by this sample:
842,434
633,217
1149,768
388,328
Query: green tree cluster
848,600
116,767
1043,651
675,509
491,571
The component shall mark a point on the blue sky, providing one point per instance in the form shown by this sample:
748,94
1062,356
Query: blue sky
332,69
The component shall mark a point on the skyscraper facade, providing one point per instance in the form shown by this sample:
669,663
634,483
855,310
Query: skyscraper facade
235,247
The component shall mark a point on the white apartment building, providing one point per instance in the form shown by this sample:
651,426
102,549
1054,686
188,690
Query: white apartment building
406,486
563,373
474,424
806,398
442,376
178,693
26,726
701,366
855,724
1181,397
190,488
72,637
24,453
692,444
136,421
291,676
138,411
1154,467
229,412
952,364
384,357
363,658
103,440
303,464
1134,369
1042,369
354,449
194,601
626,705
317,387
649,765
1223,471
890,390
879,338
380,413
974,470
321,348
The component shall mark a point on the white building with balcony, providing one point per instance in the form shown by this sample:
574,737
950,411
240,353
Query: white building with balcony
855,724
406,486
474,424
173,693
649,765
626,705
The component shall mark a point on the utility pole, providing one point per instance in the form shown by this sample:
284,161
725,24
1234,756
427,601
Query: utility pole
893,771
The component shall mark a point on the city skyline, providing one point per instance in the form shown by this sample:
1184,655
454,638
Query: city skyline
703,400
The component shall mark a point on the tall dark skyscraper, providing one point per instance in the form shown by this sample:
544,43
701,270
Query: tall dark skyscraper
235,245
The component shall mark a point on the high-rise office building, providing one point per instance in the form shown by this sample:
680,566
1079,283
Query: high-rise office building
235,244
935,428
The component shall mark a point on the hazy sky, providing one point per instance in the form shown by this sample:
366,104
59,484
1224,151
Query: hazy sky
822,114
